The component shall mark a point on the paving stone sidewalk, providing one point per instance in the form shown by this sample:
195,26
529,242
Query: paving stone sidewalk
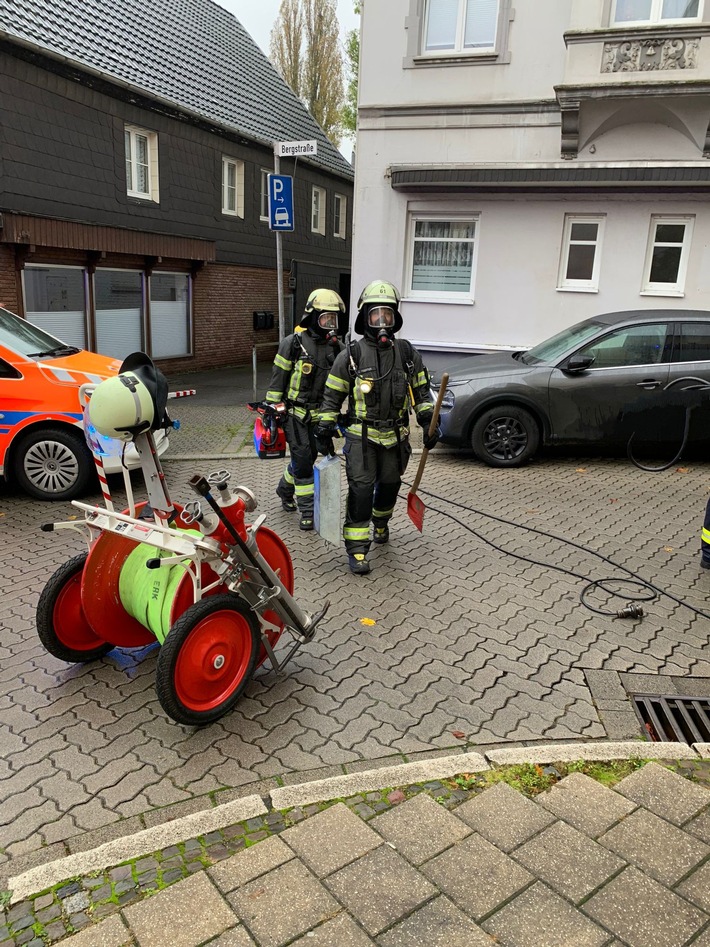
579,865
469,647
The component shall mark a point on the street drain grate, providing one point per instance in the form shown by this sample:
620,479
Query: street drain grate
674,718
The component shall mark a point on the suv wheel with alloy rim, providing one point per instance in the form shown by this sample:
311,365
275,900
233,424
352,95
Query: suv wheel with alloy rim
505,436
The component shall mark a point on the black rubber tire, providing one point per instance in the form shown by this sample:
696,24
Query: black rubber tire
52,464
47,616
505,436
169,672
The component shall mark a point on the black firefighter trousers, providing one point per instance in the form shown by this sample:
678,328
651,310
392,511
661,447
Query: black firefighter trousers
374,478
297,478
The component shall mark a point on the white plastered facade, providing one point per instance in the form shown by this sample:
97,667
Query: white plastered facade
551,100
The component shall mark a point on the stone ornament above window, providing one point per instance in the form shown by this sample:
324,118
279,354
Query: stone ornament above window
647,55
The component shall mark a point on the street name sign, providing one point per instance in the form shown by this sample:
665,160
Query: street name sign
295,149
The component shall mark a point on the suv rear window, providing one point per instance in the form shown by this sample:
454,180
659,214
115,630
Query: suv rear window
694,342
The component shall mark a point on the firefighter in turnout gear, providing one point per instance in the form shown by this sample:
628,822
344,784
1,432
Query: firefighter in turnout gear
298,377
379,375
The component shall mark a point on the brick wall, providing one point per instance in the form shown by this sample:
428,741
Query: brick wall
9,290
224,300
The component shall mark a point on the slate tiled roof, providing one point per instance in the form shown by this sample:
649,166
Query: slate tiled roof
191,53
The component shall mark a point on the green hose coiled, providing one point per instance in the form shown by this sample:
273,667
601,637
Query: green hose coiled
148,594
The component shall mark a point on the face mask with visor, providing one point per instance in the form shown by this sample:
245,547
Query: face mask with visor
328,320
381,317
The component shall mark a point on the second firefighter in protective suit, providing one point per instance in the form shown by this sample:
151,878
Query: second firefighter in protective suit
383,378
301,366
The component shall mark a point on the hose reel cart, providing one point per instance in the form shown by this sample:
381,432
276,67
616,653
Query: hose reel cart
213,590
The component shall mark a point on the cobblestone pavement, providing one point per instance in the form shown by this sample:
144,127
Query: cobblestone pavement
563,860
469,647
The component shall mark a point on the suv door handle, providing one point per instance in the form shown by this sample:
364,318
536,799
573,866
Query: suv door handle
649,384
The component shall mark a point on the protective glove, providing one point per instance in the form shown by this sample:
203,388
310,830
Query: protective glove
323,434
430,442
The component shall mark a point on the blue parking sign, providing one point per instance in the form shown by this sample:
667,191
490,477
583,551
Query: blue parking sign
280,202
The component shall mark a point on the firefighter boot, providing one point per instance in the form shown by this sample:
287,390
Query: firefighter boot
358,563
381,535
287,502
306,521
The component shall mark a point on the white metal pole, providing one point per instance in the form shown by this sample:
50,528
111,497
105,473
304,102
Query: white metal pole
280,267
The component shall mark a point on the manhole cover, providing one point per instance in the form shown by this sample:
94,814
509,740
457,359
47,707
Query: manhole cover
674,718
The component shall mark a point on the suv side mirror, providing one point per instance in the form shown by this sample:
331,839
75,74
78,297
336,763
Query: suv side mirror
579,363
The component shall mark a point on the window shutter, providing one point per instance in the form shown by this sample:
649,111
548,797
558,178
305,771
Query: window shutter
118,332
481,23
67,326
169,329
441,24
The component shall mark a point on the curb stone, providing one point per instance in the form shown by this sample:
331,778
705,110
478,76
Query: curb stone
131,846
149,840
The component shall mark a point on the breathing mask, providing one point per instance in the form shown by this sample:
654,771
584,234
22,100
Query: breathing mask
327,327
380,325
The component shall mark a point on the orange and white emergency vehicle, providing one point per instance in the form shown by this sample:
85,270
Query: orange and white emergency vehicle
42,445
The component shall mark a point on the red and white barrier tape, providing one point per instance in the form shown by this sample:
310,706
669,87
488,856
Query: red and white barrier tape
104,483
182,394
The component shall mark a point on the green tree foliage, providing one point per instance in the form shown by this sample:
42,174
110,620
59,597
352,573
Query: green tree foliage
305,48
352,56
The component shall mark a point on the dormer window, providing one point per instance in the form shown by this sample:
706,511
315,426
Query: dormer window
635,12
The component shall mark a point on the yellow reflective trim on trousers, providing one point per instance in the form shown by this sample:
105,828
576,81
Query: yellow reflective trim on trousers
288,477
356,532
706,535
327,416
304,489
337,384
424,407
284,363
298,412
382,514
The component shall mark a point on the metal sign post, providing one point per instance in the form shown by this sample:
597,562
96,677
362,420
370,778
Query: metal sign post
281,216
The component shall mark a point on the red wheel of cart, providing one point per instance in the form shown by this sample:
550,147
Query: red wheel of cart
61,623
207,659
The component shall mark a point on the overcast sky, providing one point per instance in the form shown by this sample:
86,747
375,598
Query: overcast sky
258,16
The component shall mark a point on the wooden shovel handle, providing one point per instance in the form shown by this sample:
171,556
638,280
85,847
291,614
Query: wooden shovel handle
432,428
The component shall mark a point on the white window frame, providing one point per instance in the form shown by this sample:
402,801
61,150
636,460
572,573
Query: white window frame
237,188
318,209
132,132
441,295
459,48
577,285
667,289
340,213
264,194
656,16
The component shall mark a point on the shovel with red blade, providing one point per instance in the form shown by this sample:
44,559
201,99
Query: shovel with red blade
415,507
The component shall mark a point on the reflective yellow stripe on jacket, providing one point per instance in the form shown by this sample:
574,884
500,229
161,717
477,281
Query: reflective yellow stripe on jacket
383,438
